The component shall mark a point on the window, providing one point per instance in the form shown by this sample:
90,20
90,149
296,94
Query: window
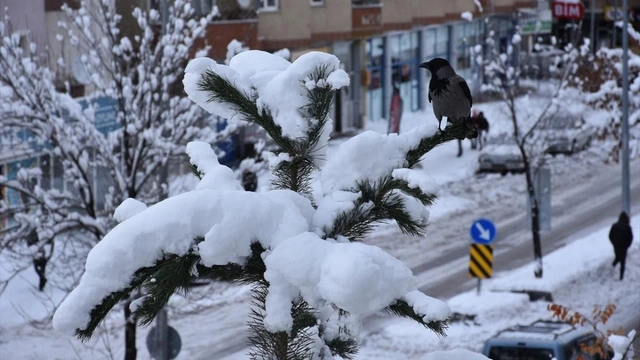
365,2
270,5
203,7
519,353
2,189
45,166
3,219
376,70
317,2
404,66
55,5
24,42
58,174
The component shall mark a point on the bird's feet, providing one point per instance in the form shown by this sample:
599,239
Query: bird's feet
470,131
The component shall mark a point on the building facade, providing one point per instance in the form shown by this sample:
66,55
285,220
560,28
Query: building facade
379,42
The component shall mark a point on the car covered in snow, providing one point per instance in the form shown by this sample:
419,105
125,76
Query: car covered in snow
500,155
542,340
566,134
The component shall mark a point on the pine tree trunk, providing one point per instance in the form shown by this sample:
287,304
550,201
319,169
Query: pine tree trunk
130,351
281,346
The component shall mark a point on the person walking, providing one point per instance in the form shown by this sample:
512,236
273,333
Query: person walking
621,237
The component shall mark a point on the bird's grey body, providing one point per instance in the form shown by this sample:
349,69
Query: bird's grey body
448,92
453,111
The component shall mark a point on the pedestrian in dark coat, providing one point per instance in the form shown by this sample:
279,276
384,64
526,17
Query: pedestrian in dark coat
482,126
621,237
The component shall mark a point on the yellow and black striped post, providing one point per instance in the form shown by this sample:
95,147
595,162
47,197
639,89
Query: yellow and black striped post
480,262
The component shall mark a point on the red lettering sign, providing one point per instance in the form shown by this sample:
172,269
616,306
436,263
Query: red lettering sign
569,11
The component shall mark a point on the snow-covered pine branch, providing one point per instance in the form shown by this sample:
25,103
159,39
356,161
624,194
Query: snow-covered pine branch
312,283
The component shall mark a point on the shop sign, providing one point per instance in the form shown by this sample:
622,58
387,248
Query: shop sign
568,11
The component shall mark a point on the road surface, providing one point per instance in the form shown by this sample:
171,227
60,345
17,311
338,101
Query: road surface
574,215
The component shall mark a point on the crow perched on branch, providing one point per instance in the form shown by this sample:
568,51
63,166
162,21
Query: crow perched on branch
450,95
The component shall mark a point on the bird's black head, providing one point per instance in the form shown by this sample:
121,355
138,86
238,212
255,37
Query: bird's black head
434,65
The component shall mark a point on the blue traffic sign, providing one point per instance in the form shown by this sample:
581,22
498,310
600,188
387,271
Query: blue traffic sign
483,232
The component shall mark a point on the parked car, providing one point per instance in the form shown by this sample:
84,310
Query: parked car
541,340
500,155
566,134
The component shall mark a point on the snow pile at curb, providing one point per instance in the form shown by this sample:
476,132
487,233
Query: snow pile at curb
563,266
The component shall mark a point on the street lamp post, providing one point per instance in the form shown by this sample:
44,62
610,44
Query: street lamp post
626,189
593,24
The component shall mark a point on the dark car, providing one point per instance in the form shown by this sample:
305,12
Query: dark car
500,155
541,340
566,134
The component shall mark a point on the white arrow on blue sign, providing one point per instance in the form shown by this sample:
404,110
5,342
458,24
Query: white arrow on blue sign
483,232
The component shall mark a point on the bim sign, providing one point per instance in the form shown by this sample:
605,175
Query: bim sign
569,11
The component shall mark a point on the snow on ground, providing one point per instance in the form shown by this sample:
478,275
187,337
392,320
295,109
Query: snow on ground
462,195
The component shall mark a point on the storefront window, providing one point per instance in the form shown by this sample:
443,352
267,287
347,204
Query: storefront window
13,197
437,42
467,35
405,57
442,43
375,67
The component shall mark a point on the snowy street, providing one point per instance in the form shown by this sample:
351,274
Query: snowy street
439,261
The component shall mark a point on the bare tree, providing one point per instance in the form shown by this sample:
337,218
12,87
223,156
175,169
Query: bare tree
600,84
502,77
76,169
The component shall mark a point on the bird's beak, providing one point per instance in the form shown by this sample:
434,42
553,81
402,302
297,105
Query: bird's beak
424,65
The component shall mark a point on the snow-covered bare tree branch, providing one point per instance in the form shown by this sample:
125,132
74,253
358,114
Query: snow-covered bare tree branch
75,167
600,84
502,76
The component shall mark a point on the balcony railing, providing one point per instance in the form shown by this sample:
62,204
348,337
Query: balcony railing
366,2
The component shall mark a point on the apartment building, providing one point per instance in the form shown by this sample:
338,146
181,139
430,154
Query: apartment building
379,42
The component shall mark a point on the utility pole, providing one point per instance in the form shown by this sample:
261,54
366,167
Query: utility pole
162,321
626,188
615,19
593,25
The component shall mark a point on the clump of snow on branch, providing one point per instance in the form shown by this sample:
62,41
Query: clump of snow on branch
369,156
478,5
417,179
358,278
234,48
214,176
278,84
128,208
283,53
467,15
220,216
331,205
621,345
633,33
